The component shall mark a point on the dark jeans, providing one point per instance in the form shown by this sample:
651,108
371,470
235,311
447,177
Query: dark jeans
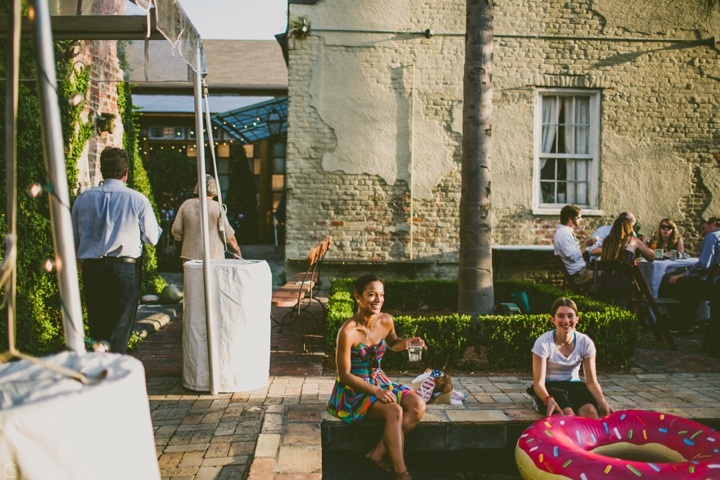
111,295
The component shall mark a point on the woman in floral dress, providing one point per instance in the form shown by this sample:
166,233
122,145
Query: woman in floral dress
362,390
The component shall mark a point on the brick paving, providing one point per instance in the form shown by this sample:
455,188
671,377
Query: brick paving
275,432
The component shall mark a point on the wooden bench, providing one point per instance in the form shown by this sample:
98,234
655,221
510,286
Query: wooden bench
299,292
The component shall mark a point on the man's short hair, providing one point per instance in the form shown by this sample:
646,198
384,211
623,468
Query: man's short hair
568,212
713,221
113,163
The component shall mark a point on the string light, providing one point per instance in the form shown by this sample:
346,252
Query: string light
49,265
35,190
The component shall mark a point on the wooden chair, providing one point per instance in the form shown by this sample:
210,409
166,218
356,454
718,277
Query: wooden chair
650,309
300,291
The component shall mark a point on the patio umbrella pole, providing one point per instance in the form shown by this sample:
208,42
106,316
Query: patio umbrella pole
58,195
211,142
202,191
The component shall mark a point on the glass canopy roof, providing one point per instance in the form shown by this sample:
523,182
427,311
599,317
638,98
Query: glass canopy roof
249,124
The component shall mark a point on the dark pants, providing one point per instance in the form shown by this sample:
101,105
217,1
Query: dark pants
713,334
689,290
111,295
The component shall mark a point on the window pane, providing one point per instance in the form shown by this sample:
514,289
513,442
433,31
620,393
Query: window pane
161,132
548,170
561,192
278,183
549,124
582,193
278,165
581,170
279,149
562,173
547,190
582,111
582,140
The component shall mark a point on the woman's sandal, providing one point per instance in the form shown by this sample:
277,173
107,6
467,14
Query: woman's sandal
403,476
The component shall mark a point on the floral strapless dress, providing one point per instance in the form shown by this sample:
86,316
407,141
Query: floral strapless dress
351,406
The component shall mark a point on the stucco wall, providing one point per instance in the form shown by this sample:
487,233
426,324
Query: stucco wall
362,105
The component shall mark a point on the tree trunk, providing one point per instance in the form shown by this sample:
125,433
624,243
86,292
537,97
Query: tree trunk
475,276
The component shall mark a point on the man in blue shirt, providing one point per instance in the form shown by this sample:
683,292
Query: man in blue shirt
691,286
110,222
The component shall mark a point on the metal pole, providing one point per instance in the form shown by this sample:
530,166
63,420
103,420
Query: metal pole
12,76
202,192
211,142
63,240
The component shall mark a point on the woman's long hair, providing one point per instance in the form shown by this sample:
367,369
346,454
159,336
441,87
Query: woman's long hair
674,236
614,244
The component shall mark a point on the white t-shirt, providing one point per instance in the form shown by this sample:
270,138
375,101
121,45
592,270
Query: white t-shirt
559,367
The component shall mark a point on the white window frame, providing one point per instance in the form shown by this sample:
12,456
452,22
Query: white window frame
593,208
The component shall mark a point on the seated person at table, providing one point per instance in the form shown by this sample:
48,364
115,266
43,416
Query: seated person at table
362,390
567,248
602,232
557,356
690,286
622,246
668,237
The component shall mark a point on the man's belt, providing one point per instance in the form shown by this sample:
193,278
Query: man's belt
111,260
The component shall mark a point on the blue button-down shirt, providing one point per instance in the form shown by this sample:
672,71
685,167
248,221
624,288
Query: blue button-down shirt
113,220
709,256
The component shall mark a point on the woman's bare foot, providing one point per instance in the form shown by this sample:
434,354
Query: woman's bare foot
379,462
403,476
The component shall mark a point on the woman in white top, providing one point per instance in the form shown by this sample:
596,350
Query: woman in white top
557,356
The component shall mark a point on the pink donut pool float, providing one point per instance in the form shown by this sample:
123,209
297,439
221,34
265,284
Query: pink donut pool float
631,444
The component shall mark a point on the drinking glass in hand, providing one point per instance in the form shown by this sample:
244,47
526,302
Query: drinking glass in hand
414,350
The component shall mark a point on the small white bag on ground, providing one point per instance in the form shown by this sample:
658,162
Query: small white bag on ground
54,427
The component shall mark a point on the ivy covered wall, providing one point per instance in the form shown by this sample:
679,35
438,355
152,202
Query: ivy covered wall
39,307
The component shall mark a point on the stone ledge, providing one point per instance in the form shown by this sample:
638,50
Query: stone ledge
151,318
442,430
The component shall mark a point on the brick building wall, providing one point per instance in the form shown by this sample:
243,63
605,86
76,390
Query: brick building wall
100,56
658,107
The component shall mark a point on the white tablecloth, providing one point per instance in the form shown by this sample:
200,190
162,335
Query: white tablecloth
653,272
53,427
242,292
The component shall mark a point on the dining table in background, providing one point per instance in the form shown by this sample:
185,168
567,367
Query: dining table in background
653,272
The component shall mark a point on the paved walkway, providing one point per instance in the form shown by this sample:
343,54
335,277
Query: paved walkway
275,432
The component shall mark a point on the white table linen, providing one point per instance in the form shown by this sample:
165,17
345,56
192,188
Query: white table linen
653,272
54,427
242,292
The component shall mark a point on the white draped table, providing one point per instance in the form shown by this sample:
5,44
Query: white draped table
242,292
653,272
54,427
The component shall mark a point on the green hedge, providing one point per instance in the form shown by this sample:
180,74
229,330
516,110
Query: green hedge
506,340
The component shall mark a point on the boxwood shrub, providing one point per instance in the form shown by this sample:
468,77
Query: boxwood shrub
506,340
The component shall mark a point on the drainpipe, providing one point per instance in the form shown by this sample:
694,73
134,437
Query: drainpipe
411,183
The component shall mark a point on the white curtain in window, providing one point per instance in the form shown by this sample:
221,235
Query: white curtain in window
567,108
582,119
549,127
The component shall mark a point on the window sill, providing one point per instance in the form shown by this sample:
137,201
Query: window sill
556,211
